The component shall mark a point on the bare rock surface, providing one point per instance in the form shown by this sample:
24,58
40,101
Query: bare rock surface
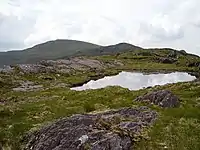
112,130
194,64
27,86
165,60
163,98
7,69
61,66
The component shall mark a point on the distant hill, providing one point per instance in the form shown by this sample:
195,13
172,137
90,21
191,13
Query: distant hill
60,49
109,50
49,50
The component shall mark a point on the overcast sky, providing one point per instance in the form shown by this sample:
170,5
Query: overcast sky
146,23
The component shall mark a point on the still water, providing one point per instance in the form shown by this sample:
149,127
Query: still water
136,81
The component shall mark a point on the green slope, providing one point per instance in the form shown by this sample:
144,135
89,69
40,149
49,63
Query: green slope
109,50
49,50
60,49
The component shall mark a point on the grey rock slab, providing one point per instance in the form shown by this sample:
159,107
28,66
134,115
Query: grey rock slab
94,131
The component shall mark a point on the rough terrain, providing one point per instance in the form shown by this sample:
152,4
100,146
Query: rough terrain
163,98
110,130
61,66
36,103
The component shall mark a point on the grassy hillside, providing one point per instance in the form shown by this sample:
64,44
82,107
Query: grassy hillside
45,51
59,49
109,50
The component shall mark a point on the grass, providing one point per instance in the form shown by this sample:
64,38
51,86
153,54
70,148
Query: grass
21,112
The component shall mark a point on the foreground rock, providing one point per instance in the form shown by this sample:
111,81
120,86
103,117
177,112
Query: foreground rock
163,98
113,130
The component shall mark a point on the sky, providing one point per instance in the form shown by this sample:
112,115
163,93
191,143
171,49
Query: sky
146,23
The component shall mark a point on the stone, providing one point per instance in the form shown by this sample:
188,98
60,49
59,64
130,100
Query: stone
111,130
27,86
172,54
165,60
163,98
194,64
7,69
183,52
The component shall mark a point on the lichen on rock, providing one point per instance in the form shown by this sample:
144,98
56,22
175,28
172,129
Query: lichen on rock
108,130
163,98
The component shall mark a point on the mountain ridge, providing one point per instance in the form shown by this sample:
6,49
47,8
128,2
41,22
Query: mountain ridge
61,48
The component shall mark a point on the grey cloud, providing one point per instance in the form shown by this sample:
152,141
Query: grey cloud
197,23
158,33
13,31
7,45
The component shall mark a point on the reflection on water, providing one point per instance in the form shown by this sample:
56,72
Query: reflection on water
136,81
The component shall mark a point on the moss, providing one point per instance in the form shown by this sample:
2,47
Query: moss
87,146
89,107
104,124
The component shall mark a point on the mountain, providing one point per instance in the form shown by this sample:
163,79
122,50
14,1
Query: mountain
49,50
109,50
61,49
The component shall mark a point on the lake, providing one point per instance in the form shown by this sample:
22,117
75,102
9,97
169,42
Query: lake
136,81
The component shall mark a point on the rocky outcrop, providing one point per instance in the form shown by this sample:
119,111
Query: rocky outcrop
165,60
62,66
183,52
7,69
163,98
27,86
112,130
194,64
172,54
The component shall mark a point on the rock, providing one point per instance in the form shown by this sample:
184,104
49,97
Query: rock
112,130
27,86
145,53
61,85
194,64
63,66
163,98
165,60
118,63
183,52
91,63
2,102
172,54
7,69
35,68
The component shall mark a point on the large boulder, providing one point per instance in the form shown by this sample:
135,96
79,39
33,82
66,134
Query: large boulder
112,130
163,98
